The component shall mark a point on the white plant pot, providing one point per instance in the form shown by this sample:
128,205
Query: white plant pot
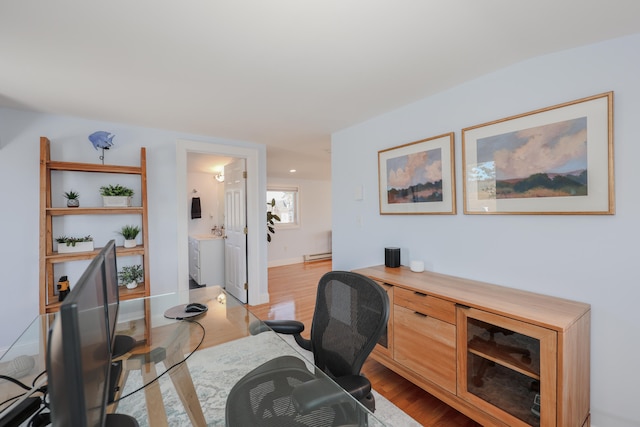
130,243
116,201
132,285
79,247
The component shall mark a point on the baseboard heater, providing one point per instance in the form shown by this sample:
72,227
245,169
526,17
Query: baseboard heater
317,257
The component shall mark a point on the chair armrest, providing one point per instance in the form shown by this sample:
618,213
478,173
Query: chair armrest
317,393
357,386
289,327
258,327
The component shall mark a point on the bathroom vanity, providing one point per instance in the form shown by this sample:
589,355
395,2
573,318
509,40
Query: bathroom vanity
206,259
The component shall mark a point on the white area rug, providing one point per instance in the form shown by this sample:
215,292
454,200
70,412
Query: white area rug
215,370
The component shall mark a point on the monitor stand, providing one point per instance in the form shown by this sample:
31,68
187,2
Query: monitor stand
120,420
122,344
114,380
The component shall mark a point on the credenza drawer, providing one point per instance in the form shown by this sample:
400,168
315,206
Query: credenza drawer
426,304
427,346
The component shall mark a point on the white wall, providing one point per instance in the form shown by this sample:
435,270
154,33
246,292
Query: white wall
211,193
289,245
19,187
586,258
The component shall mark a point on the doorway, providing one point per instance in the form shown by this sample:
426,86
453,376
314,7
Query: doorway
205,181
206,185
256,200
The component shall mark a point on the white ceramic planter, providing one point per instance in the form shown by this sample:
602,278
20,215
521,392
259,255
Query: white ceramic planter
132,285
79,247
130,243
116,201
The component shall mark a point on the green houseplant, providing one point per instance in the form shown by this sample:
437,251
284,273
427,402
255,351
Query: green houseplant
129,232
115,190
116,195
72,198
131,275
74,244
271,219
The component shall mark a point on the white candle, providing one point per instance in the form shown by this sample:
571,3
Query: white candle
417,266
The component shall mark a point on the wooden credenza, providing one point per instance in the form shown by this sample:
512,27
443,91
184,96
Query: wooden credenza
502,356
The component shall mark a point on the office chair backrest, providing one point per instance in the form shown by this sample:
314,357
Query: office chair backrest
350,314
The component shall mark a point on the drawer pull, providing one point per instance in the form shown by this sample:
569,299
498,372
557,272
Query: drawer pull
420,314
420,294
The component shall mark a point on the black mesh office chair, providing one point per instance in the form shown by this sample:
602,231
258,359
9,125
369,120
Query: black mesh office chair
350,314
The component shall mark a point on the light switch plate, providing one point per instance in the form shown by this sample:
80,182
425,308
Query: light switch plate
358,193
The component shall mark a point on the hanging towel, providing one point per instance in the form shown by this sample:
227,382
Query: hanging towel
196,210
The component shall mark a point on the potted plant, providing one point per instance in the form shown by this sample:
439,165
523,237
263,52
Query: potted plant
74,244
116,196
271,218
72,199
131,275
129,232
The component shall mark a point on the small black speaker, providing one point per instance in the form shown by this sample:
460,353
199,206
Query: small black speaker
392,257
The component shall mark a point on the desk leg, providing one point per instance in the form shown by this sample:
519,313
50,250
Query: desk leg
153,396
183,383
172,355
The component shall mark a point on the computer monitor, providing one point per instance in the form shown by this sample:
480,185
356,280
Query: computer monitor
112,295
79,353
120,344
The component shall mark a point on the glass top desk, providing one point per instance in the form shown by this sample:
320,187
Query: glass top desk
181,371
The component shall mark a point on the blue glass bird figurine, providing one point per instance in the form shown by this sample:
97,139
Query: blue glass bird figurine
103,140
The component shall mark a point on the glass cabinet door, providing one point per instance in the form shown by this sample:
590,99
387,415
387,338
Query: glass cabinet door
507,367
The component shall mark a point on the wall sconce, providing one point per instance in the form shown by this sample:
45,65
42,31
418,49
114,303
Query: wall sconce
219,177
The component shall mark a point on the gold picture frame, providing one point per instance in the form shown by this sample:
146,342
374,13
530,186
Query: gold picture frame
418,178
556,160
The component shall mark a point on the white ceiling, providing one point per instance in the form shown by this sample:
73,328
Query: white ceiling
207,163
286,73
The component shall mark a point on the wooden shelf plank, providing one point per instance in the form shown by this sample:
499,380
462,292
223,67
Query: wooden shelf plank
94,211
138,292
494,354
55,257
124,294
93,167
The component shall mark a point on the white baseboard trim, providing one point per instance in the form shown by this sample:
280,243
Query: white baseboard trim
289,261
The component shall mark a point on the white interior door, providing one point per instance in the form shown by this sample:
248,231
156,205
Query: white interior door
235,247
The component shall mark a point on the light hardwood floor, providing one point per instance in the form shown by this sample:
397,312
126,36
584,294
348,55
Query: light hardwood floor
292,291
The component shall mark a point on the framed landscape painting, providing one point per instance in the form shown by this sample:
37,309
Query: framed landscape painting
418,177
557,160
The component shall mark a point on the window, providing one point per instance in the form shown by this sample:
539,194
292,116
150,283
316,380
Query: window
286,206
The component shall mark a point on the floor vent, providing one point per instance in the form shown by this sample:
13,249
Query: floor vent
317,257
